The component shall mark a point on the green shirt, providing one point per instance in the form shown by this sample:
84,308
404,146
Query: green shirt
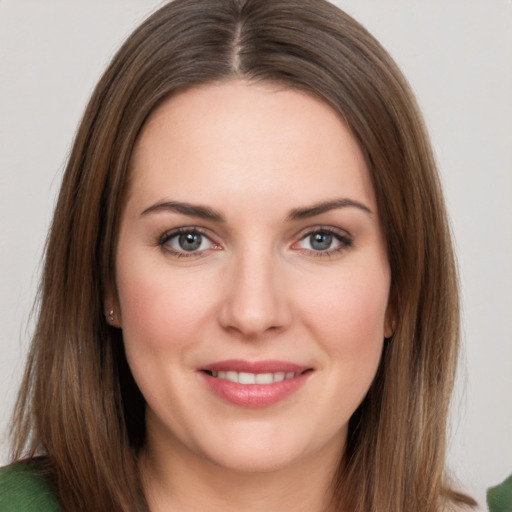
499,498
24,489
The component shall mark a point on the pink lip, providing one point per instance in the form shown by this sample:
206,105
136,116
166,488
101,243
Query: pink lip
255,395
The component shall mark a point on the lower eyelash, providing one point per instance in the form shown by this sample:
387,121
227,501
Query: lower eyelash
163,239
345,241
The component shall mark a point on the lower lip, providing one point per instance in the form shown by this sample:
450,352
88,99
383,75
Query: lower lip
255,395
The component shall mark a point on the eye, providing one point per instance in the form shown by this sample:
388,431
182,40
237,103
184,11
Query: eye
186,242
323,241
320,241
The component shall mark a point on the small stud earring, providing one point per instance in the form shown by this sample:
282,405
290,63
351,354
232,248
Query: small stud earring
110,316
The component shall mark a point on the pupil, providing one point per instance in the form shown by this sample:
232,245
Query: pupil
321,241
190,241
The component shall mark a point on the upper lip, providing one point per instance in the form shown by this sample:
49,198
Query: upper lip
240,365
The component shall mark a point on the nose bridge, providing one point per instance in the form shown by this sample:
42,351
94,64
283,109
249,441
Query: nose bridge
255,301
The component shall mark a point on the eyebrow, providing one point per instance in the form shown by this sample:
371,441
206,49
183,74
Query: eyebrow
204,212
325,206
191,210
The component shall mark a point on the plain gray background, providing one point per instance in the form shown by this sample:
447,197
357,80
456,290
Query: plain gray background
457,55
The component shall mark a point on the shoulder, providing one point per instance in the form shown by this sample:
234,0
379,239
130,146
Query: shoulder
24,489
499,498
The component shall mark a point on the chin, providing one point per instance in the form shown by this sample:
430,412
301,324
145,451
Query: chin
262,451
258,460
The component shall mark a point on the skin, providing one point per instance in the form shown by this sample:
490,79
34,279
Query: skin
257,289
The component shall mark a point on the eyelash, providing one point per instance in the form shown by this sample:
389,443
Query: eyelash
343,238
169,235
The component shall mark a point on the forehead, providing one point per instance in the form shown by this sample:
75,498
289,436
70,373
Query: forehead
219,140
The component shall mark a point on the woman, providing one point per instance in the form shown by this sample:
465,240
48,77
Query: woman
249,299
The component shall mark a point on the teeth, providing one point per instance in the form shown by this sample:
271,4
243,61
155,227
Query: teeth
254,378
246,378
264,378
279,376
232,376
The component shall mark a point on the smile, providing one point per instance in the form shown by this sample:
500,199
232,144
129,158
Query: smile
254,384
253,378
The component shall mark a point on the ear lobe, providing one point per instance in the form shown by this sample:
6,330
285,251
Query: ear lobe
389,329
111,310
389,322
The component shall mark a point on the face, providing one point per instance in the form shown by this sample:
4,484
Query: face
252,277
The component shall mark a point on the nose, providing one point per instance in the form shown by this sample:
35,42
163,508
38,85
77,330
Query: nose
255,299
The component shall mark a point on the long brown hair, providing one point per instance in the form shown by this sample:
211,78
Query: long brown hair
79,407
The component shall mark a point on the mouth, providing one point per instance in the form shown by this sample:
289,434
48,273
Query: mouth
246,378
255,384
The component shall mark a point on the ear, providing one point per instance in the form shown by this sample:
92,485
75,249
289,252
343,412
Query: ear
389,322
111,308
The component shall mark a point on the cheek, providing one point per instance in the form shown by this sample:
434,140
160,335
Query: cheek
348,319
161,319
350,328
354,303
160,309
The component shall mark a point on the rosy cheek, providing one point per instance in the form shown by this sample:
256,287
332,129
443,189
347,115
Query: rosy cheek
160,309
350,311
141,302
